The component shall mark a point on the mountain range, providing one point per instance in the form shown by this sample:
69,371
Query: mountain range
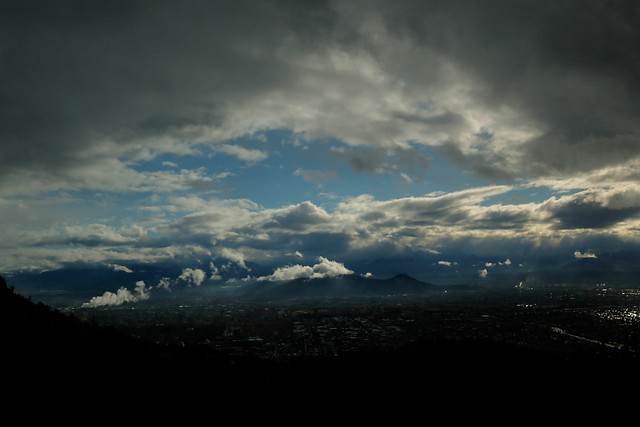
341,286
54,361
77,284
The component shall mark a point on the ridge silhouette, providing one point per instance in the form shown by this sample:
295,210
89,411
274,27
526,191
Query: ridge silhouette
47,352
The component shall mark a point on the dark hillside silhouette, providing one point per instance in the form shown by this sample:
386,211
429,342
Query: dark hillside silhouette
54,355
42,338
48,352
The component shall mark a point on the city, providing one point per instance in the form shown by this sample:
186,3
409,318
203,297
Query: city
556,320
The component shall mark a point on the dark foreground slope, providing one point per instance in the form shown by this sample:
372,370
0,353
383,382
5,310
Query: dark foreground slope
54,357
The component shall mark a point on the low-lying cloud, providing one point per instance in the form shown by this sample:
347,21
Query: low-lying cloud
142,292
586,254
540,92
193,276
324,268
121,296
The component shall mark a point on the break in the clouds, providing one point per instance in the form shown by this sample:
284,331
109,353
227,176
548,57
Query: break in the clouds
118,267
154,131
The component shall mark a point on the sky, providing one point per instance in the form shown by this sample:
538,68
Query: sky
317,137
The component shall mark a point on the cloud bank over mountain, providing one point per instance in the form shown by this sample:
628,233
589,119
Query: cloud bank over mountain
324,268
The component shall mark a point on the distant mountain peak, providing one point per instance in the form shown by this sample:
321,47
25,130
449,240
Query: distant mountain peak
341,286
403,276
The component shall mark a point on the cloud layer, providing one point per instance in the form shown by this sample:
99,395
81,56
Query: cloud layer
505,90
471,221
147,131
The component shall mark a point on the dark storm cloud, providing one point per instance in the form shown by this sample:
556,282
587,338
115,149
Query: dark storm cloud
584,213
75,72
544,92
571,67
497,219
481,164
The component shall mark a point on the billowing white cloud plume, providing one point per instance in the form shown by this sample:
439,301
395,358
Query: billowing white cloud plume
122,295
193,276
324,268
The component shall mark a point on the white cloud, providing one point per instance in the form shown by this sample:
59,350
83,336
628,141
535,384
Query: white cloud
324,268
192,276
235,256
587,254
122,295
118,267
483,273
445,263
408,77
